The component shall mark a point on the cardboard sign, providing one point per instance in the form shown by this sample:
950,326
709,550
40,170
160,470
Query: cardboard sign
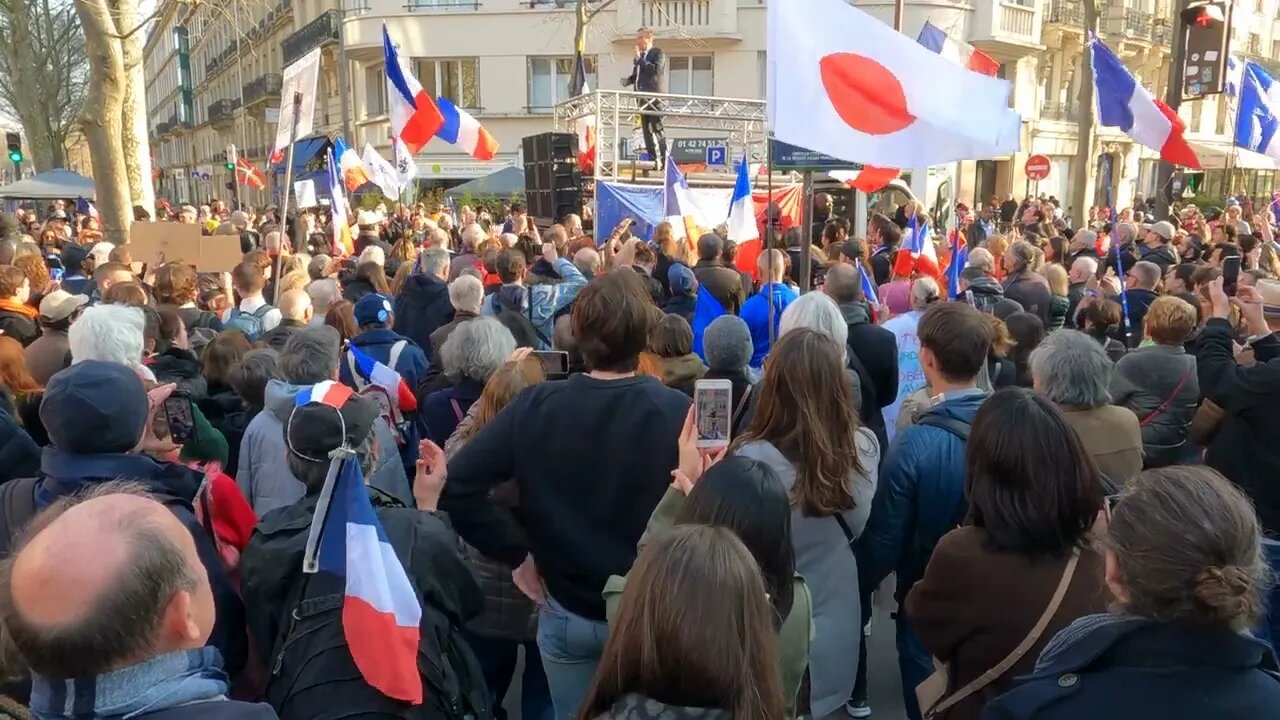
156,243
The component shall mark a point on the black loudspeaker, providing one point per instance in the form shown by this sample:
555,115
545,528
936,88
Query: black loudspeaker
552,179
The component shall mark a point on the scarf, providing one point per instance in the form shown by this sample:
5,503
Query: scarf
177,678
637,707
12,305
1077,630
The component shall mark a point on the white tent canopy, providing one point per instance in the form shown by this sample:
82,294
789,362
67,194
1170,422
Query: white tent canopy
50,185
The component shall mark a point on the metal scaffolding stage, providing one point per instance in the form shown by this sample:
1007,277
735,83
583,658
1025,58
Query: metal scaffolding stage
615,114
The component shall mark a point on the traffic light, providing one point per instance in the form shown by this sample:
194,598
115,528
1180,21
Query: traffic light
1208,31
14,141
229,166
231,158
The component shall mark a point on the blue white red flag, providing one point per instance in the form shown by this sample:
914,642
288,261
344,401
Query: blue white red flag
958,52
959,257
385,377
917,253
415,119
1124,104
463,130
868,287
381,612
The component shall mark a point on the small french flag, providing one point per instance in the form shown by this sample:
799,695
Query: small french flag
463,130
868,287
959,258
961,53
917,253
84,207
376,373
381,613
331,393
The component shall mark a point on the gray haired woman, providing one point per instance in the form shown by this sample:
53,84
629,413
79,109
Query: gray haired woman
472,353
1073,370
726,343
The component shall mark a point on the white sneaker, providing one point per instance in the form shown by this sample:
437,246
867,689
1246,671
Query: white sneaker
858,709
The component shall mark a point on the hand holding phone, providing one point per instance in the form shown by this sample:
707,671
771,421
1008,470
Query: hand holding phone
713,403
1230,274
555,363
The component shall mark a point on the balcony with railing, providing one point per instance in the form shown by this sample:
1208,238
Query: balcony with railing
1162,33
317,33
692,19
1059,112
263,87
1006,28
1126,23
223,110
1067,13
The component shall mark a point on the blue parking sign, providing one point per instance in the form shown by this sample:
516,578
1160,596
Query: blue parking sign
718,155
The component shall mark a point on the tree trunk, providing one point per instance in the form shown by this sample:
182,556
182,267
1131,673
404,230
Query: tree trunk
1083,182
103,119
135,142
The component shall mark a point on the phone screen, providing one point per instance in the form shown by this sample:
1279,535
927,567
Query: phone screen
555,363
177,412
714,402
1230,274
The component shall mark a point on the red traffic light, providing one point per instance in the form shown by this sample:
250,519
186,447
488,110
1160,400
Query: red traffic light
1203,15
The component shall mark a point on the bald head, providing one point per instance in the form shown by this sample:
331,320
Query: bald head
104,582
772,264
296,305
842,283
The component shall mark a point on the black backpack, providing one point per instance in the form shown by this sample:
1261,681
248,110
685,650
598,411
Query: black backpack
313,677
519,322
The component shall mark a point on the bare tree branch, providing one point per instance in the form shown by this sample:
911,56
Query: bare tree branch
601,7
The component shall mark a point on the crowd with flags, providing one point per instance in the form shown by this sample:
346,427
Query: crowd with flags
396,456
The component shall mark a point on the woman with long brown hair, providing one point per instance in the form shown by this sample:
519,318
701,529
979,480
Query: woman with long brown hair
806,429
508,621
693,637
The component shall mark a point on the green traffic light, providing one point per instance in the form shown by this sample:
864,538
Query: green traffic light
230,166
15,156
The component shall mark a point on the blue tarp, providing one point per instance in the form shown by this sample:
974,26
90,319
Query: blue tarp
616,201
304,151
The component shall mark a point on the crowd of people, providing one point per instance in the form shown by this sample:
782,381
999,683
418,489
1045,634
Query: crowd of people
1050,458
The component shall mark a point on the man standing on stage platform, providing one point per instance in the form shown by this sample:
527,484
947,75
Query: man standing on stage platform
649,75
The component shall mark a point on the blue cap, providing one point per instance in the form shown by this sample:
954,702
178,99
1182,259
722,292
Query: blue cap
682,280
94,407
372,308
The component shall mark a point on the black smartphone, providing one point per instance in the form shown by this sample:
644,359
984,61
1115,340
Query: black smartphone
555,363
1230,274
177,413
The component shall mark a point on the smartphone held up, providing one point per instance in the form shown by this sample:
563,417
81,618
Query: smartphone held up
713,404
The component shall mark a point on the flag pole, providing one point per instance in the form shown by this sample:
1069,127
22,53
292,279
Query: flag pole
768,231
284,202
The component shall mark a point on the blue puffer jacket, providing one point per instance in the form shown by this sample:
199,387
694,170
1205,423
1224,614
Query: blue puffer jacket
920,497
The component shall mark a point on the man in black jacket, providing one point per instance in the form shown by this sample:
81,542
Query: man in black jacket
423,305
724,284
649,75
1244,448
873,350
890,237
1157,246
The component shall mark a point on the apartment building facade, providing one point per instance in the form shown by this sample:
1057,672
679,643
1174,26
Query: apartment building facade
508,63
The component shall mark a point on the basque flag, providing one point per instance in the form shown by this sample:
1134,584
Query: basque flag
381,612
463,130
385,377
415,119
1124,104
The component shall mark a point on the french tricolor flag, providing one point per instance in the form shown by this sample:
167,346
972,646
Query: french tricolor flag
959,258
917,253
381,612
961,53
868,287
463,130
1124,104
385,377
415,119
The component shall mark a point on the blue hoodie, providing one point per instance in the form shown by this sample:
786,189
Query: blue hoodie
920,496
755,312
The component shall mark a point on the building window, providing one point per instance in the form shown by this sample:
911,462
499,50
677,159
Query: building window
455,80
690,74
1255,44
375,90
1275,49
549,80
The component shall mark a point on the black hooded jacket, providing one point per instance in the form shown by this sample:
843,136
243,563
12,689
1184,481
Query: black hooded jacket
421,308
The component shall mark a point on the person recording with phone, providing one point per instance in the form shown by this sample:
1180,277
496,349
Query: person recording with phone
649,75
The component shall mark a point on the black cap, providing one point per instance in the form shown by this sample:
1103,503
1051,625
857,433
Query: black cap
328,416
73,256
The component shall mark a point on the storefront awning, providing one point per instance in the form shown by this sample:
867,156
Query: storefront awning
1220,156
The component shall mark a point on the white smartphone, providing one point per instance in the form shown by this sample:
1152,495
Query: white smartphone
713,400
